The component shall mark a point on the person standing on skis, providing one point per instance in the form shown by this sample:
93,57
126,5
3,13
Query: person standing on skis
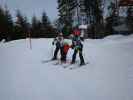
58,42
77,45
65,51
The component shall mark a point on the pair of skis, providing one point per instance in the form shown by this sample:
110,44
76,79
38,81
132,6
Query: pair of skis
47,61
66,64
58,61
75,65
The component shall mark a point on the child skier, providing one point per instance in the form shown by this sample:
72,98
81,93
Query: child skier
65,51
61,45
77,45
58,41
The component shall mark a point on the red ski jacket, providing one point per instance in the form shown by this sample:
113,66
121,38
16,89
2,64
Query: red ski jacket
66,48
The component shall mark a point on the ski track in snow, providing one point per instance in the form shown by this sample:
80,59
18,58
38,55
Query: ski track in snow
109,76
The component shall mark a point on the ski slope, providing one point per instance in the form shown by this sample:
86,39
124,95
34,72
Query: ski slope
108,76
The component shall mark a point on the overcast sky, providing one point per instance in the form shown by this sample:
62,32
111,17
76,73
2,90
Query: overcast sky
32,7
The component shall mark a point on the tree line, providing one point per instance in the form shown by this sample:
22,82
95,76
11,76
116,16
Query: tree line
99,25
22,28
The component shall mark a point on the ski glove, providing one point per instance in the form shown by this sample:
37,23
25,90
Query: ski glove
52,43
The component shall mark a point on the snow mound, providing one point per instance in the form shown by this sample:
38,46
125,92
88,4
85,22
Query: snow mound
114,37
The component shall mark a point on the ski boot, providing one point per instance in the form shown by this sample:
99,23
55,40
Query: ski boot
82,63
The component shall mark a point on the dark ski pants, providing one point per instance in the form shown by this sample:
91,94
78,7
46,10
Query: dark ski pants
80,56
56,52
63,55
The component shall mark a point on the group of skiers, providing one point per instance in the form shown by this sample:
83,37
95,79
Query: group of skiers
63,47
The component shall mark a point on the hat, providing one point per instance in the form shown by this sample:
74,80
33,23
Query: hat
65,42
76,32
60,34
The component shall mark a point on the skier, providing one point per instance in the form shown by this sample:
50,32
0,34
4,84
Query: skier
77,45
65,51
58,41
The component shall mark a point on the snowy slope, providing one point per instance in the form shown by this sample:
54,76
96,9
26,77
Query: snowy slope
109,76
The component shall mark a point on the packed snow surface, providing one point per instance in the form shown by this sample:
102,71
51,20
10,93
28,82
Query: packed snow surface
108,76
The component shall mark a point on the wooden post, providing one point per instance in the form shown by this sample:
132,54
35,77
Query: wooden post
30,40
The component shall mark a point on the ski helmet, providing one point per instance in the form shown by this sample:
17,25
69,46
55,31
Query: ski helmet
60,34
76,32
71,36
